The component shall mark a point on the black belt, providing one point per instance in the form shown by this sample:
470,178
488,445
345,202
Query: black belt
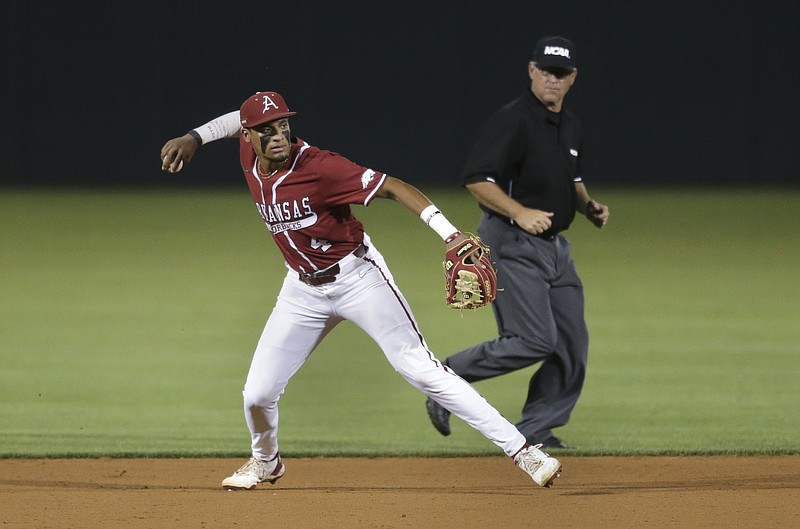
544,236
328,275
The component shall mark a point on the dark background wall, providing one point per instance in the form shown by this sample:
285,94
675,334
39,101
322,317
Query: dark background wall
668,92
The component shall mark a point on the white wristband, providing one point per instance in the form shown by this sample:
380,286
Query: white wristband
437,222
428,213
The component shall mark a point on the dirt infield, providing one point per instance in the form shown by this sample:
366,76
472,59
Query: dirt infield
463,493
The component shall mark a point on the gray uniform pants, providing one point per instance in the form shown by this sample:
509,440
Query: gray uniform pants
539,314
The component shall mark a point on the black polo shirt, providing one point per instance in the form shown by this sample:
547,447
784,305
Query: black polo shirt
534,155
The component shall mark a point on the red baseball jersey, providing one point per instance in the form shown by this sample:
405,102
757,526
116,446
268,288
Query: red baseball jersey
306,204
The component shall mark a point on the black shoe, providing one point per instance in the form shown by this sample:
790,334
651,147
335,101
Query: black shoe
551,442
439,416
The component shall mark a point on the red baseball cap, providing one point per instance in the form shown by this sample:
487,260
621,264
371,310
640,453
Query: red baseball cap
263,107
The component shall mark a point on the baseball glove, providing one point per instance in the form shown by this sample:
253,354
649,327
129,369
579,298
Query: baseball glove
470,278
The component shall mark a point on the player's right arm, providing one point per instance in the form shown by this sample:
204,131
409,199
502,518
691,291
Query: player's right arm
180,150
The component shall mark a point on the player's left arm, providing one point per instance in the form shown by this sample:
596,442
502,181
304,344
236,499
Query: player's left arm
406,194
596,212
415,201
470,277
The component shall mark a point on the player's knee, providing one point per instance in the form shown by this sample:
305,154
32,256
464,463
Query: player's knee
259,397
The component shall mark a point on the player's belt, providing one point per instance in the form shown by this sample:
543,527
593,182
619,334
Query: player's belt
328,275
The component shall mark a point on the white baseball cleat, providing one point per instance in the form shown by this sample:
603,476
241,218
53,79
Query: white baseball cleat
254,472
542,468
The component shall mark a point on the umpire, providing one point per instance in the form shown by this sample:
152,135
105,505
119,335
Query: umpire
526,172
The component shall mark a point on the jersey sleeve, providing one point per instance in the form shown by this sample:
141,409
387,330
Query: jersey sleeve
345,182
579,163
496,150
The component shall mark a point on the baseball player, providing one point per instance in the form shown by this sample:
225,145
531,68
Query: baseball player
335,273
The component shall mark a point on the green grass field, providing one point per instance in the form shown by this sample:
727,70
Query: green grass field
128,318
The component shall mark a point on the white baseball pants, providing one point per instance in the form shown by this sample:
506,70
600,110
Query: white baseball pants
364,293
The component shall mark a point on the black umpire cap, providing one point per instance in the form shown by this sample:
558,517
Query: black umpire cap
554,52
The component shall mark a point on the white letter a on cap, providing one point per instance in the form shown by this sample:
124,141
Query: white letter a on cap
269,103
